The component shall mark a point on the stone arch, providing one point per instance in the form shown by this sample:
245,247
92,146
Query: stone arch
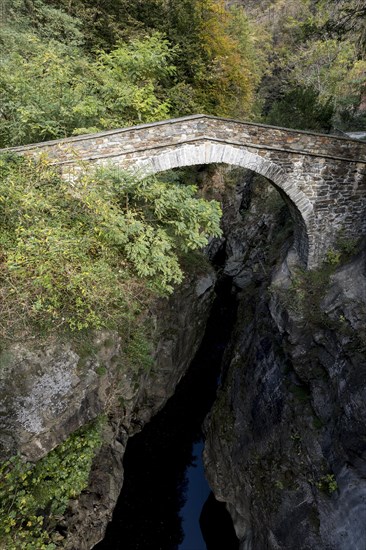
208,151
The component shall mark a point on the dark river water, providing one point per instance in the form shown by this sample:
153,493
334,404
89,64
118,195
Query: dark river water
165,503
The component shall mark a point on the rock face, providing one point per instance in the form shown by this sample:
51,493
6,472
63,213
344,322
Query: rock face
286,438
48,392
180,324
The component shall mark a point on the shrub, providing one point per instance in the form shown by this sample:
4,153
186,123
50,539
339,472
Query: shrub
327,484
91,254
308,288
33,497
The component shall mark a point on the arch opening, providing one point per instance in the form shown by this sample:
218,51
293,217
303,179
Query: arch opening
211,152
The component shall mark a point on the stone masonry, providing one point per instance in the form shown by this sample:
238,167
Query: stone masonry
321,177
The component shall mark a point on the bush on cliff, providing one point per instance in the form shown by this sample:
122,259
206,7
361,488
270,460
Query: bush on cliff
90,254
33,497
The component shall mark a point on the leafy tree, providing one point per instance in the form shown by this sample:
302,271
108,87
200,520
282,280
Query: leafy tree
68,67
225,63
315,51
38,17
217,63
233,64
332,69
50,91
300,108
347,18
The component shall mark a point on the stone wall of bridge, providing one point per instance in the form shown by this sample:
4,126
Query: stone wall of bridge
322,177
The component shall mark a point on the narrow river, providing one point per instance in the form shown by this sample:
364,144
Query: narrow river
164,489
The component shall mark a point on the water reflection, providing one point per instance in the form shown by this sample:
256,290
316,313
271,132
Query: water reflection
196,496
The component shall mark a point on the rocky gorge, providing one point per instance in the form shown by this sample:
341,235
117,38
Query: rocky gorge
285,439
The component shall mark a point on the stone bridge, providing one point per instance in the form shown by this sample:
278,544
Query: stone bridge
321,177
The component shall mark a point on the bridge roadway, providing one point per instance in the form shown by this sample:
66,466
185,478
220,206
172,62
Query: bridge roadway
321,177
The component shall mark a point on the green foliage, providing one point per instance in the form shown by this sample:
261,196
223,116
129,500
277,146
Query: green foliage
89,255
347,17
316,52
66,66
101,370
333,257
105,23
231,61
33,497
300,108
323,66
327,484
49,90
48,22
195,261
344,249
306,292
138,350
142,66
347,246
331,67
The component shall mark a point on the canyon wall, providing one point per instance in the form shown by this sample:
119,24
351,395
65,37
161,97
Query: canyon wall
50,389
286,437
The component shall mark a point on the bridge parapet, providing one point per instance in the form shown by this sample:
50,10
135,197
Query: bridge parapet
159,134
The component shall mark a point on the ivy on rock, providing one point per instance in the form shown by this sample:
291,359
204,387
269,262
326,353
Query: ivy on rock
33,497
